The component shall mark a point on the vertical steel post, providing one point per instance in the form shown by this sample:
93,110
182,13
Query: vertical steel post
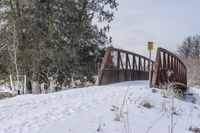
150,48
150,68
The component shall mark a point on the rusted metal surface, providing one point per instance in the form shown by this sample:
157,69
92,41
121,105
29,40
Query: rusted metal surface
120,65
165,63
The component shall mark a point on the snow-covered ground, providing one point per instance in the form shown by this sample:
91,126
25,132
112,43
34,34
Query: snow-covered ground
95,109
4,88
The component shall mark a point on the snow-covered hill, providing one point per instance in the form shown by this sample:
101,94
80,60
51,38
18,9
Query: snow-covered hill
116,108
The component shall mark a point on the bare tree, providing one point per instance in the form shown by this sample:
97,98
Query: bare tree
189,51
196,46
185,49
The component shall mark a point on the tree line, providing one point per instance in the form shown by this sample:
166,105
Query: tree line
189,51
53,40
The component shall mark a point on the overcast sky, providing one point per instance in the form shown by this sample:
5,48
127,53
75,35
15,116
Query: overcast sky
165,22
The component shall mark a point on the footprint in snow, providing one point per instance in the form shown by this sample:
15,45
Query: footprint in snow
81,108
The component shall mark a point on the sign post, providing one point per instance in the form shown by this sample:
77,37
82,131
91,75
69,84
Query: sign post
150,48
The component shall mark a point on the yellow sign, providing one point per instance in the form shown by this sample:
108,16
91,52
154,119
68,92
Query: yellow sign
150,46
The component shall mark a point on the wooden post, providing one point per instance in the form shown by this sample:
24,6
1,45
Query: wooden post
25,89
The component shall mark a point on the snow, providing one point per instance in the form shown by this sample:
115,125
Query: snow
4,88
84,110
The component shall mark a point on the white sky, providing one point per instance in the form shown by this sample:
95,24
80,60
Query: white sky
165,22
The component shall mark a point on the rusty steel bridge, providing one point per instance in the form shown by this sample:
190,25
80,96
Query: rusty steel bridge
119,65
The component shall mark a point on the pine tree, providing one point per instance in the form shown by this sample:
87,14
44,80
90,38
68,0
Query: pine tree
55,38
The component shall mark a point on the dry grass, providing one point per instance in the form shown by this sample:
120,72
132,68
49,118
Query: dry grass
194,129
4,95
146,104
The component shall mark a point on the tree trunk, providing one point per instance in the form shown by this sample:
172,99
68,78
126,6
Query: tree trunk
25,88
15,44
11,83
35,84
51,84
35,87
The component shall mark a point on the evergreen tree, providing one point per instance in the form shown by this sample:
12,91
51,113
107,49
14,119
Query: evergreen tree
53,38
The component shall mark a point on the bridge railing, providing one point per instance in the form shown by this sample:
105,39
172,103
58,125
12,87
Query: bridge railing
166,63
120,65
